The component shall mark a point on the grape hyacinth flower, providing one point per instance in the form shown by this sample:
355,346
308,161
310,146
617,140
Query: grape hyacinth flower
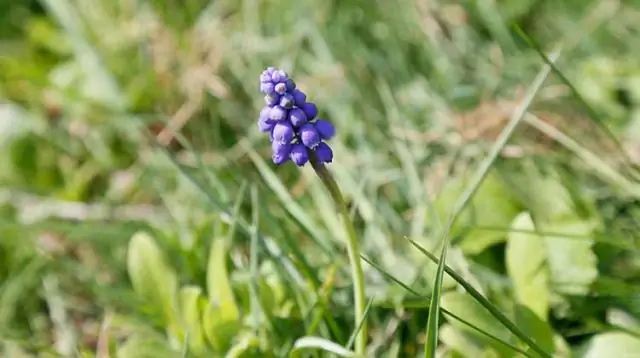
294,129
297,134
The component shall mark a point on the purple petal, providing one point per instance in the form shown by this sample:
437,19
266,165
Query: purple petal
324,153
280,88
265,77
277,113
290,85
309,135
310,110
286,101
299,154
264,123
279,76
297,117
282,132
282,149
299,97
267,87
325,128
272,99
279,158
270,70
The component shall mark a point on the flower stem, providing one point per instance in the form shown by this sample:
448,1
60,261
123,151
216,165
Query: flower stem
353,251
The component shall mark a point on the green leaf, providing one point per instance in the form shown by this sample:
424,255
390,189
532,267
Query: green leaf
221,318
572,263
535,327
461,342
151,276
623,319
612,344
492,205
192,303
526,255
464,305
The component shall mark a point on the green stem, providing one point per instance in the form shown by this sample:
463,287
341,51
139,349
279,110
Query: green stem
353,251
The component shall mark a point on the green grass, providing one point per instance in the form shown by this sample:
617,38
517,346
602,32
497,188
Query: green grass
487,151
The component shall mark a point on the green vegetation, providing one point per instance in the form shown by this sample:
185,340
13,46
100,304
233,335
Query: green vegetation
141,215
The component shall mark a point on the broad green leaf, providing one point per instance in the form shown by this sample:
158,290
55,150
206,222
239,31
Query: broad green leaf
221,316
463,305
218,284
536,328
623,319
525,257
151,276
191,306
218,327
461,342
572,263
611,344
492,206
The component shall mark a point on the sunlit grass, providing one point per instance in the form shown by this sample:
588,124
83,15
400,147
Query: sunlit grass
142,114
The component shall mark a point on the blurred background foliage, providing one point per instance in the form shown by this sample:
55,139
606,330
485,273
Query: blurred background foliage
141,215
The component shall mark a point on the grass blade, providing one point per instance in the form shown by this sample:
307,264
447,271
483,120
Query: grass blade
354,334
306,343
434,309
593,114
481,299
445,311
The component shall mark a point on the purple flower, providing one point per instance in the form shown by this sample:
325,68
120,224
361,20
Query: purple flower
325,129
282,132
265,77
310,110
289,120
297,117
299,97
272,99
286,101
324,153
281,152
264,123
309,136
281,155
267,87
277,113
299,154
280,88
279,76
290,85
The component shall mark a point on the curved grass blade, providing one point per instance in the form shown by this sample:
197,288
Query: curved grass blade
593,115
431,343
354,334
481,299
445,311
306,343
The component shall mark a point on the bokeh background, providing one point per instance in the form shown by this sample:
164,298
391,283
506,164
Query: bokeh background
141,216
